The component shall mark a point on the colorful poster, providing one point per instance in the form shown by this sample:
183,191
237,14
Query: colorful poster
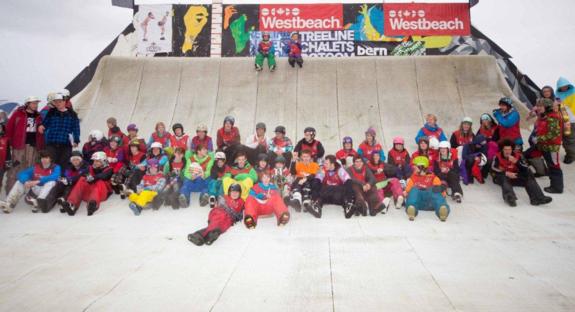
153,24
192,29
238,22
427,19
300,17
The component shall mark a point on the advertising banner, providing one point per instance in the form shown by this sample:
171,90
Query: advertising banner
153,24
427,19
192,30
314,43
300,17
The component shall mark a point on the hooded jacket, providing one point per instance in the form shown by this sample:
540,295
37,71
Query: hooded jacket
567,97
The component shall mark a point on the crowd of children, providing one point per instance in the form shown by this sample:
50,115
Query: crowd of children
268,176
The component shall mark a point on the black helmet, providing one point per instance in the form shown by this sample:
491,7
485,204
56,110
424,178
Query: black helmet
76,154
280,129
263,156
261,125
309,129
178,126
117,139
234,188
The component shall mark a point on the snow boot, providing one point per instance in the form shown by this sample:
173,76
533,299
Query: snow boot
137,210
250,222
386,203
314,208
43,205
204,200
60,201
443,212
212,201
92,207
457,197
411,213
296,201
212,236
399,202
258,67
158,201
348,209
183,201
6,206
70,210
196,238
541,201
283,219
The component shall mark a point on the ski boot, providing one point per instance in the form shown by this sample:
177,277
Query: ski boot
542,201
158,201
196,238
258,68
204,200
511,201
212,201
376,210
386,203
399,202
60,201
137,210
272,68
250,222
92,207
31,200
314,208
296,201
443,212
70,210
283,219
183,201
6,206
457,197
43,205
348,209
411,211
212,236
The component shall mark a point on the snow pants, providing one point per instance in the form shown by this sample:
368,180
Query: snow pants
427,200
274,205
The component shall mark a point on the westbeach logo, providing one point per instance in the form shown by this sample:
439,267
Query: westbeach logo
301,17
405,19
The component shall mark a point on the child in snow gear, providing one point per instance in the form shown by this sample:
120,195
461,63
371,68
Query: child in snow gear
347,153
133,137
370,146
257,143
305,188
77,168
446,168
178,139
156,152
93,188
510,169
463,135
115,153
96,143
490,130
202,138
35,184
387,185
160,135
566,95
219,168
196,176
228,139
227,211
282,178
262,163
264,200
280,145
423,149
5,155
293,49
174,173
114,130
311,144
366,197
509,122
424,191
266,51
548,140
151,185
241,173
399,157
127,176
430,129
474,163
336,188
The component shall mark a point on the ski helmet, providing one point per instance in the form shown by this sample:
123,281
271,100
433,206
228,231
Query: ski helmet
467,120
280,159
421,161
117,139
97,135
220,155
230,119
156,145
178,126
101,156
445,144
132,127
263,156
309,129
347,139
76,154
261,125
234,188
134,142
370,131
280,129
433,143
398,140
507,101
202,128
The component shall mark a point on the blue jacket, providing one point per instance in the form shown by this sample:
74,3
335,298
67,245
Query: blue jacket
508,120
420,134
562,82
28,173
60,126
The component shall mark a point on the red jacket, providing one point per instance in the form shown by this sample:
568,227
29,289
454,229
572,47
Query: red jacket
4,151
16,129
228,138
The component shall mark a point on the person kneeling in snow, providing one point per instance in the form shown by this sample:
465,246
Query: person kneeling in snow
93,188
35,182
227,211
264,200
151,185
425,192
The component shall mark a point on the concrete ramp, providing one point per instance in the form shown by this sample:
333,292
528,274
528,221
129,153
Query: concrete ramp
338,96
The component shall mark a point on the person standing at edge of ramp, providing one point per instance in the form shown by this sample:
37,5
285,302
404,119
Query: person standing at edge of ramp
61,129
22,134
566,93
266,51
509,121
548,137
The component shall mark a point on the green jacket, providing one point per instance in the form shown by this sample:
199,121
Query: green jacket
206,162
241,174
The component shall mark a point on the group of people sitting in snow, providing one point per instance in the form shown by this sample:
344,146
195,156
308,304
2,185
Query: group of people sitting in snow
269,175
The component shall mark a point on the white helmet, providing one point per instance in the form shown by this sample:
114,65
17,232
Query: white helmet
467,120
221,155
202,127
101,156
157,145
433,143
445,144
31,99
483,160
65,92
97,134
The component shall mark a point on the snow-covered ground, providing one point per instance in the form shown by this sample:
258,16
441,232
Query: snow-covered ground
486,257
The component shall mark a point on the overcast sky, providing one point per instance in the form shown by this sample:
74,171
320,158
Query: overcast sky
45,44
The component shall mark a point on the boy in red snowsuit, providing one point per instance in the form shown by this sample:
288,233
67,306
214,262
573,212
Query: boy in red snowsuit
93,188
226,213
264,200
